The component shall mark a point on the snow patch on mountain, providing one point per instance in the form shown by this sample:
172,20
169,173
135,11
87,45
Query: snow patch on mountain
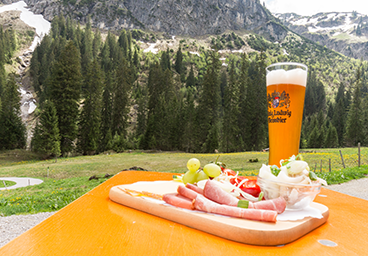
36,21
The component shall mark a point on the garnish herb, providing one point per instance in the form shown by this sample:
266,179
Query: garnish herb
275,170
260,197
312,175
243,204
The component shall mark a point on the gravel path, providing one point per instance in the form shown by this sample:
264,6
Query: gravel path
13,226
357,188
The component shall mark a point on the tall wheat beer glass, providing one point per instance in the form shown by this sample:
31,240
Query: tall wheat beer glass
286,84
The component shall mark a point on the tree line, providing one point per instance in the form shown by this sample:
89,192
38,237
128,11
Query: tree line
12,129
97,95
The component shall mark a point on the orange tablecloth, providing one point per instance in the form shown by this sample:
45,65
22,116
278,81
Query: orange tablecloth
94,225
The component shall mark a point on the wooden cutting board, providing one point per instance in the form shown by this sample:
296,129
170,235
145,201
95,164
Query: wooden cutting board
239,230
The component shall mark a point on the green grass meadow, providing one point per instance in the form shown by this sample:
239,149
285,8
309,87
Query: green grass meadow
66,179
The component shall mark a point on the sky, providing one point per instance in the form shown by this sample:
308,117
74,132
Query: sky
310,7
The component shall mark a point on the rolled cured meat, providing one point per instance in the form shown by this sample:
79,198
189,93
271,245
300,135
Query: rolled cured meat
186,192
277,204
203,204
179,201
215,193
195,188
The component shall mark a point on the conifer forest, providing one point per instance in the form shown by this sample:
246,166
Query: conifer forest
99,92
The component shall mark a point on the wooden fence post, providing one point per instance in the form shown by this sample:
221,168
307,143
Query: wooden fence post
359,154
342,159
321,167
5,185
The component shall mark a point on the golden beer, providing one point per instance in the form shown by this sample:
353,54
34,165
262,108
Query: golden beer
286,84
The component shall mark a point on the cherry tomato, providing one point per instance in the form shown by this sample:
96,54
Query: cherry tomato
250,186
229,172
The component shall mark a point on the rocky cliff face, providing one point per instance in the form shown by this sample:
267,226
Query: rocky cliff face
173,17
346,33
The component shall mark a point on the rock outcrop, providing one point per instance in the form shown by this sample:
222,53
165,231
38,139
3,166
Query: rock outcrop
173,17
345,32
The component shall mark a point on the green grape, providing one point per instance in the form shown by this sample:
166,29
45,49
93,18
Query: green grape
202,176
190,177
212,170
193,164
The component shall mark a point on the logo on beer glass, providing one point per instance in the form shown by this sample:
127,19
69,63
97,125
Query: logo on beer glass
279,100
276,102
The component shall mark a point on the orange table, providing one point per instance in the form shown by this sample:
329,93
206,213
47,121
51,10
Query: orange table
94,225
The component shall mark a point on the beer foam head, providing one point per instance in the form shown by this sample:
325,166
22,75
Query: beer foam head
280,76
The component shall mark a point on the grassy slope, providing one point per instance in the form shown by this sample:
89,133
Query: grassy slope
68,178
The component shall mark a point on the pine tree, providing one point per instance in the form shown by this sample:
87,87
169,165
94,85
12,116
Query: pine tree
313,139
123,43
136,61
208,106
165,60
65,94
129,45
90,119
338,120
12,129
70,29
330,110
223,85
171,122
189,133
113,49
243,118
142,113
191,80
121,103
365,119
106,114
34,71
257,104
321,136
2,68
96,44
86,48
331,141
310,95
230,129
354,125
179,61
155,95
46,136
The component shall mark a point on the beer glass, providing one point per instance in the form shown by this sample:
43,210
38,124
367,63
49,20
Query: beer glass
286,84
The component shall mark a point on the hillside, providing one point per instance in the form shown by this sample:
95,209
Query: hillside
186,17
345,32
167,81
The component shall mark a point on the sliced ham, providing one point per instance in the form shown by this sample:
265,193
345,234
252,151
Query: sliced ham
203,204
186,192
179,201
195,188
277,204
215,193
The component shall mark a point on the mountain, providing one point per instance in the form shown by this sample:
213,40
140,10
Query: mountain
173,17
344,32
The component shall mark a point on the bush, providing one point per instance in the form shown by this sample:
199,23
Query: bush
118,143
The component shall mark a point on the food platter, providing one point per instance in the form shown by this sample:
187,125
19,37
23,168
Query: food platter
239,230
